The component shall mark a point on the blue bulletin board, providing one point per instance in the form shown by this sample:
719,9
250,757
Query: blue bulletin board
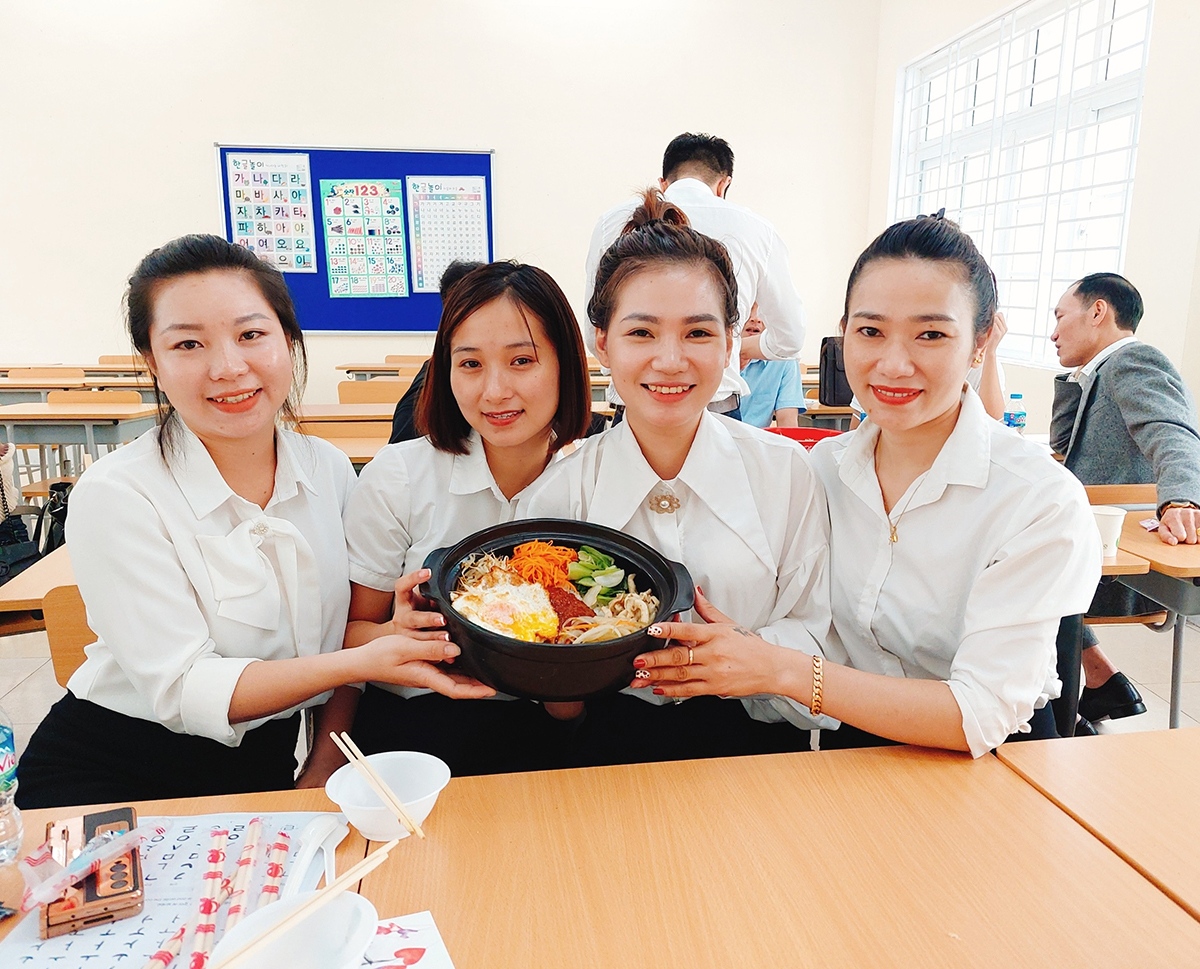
361,235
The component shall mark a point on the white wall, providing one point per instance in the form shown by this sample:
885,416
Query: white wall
1163,253
108,150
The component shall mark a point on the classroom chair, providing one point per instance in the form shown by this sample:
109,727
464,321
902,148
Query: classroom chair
66,629
807,436
379,390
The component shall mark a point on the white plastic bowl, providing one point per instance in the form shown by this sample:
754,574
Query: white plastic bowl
336,936
416,779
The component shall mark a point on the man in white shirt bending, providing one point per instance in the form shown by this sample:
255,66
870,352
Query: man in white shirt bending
697,172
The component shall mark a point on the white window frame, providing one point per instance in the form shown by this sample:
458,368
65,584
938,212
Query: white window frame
1035,78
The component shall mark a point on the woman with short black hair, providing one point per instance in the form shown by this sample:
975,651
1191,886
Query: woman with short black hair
507,389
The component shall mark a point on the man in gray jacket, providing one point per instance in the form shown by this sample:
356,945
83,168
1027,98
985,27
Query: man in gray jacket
1123,416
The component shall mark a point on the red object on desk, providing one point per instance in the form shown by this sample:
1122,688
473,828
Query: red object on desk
808,436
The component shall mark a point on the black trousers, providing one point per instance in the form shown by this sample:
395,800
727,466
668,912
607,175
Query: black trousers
83,753
471,736
846,737
499,736
623,729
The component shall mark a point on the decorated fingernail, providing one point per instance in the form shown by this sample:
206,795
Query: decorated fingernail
642,675
655,630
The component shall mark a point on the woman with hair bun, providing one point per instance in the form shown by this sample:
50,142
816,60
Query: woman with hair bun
956,545
740,508
211,558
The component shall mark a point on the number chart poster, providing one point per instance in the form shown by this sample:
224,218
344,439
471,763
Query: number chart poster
364,237
270,200
447,220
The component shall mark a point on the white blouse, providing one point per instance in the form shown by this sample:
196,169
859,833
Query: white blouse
751,528
186,583
995,543
412,499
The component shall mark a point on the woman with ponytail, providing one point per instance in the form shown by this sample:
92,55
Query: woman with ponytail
742,509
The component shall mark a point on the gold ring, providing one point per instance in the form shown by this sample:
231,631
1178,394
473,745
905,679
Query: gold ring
690,657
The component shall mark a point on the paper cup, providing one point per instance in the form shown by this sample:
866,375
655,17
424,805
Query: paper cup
1109,520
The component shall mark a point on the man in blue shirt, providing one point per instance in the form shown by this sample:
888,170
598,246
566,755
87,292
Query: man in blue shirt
776,389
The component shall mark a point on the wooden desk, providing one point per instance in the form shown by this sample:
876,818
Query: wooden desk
880,858
360,450
819,415
349,852
1173,581
1125,563
19,390
141,383
1139,793
26,591
366,371
89,369
314,413
76,423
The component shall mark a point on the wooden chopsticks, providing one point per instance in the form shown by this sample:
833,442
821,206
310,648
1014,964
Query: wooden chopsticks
390,801
323,897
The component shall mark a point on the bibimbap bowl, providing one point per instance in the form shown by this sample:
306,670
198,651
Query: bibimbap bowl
552,671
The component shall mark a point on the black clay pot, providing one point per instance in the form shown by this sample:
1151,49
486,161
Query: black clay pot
541,671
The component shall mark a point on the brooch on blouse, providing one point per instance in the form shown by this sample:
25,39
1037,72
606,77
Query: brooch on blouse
663,503
261,529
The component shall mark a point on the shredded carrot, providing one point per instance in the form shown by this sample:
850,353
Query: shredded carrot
542,562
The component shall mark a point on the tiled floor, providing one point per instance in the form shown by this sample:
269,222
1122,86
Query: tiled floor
28,688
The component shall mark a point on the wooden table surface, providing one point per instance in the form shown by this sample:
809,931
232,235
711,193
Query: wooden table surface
1139,793
1181,561
45,383
74,411
27,590
1125,563
347,412
359,450
98,369
892,857
349,852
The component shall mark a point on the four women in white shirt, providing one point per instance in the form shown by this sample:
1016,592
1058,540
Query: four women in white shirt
949,546
955,544
211,558
507,388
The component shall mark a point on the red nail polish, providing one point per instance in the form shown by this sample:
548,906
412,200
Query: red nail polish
639,664
658,691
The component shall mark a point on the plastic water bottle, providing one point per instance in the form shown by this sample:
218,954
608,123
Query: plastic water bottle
1014,413
10,816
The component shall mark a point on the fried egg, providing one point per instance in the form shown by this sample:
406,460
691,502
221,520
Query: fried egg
510,607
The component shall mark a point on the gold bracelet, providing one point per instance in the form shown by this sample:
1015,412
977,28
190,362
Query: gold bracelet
814,707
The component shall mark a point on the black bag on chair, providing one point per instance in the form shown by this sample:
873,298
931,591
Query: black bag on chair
50,531
833,390
17,552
